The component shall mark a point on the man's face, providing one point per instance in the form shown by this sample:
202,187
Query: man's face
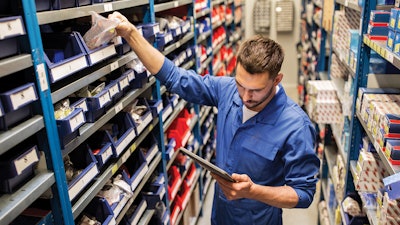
255,90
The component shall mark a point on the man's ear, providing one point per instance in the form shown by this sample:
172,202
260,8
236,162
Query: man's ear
278,79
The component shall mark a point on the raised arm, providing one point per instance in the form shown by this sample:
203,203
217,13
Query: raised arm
151,58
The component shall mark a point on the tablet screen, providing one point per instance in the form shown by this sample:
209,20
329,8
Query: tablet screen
207,165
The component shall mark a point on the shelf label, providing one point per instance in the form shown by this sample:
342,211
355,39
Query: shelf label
113,90
106,154
125,156
125,142
108,7
11,28
84,180
166,113
151,153
118,107
25,161
104,99
131,76
23,97
63,70
124,83
104,53
114,66
41,72
139,177
82,106
389,57
176,4
76,121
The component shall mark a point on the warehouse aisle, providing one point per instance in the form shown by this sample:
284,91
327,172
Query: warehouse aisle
290,216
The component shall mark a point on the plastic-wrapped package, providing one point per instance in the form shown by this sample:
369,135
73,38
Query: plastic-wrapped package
101,32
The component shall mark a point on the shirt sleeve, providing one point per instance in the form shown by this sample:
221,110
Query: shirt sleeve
302,164
189,85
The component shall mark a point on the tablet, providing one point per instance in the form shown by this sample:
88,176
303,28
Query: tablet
207,165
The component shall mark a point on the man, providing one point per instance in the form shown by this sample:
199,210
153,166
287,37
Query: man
264,139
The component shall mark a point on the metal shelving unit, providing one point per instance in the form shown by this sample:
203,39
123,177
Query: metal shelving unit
11,205
73,13
10,138
359,73
170,5
14,64
63,210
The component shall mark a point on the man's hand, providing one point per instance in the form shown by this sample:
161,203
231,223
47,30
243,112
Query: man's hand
235,190
125,28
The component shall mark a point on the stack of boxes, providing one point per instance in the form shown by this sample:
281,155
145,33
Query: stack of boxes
388,210
369,172
323,105
338,70
380,110
378,26
345,21
393,34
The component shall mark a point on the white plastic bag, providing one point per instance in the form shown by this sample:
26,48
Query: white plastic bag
101,32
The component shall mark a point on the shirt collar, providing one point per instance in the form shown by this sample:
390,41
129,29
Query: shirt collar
272,111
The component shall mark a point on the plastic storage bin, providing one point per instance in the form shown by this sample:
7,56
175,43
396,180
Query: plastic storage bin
98,54
149,148
174,182
97,105
150,29
79,103
101,148
43,5
114,91
156,107
83,2
17,105
170,149
84,160
100,209
138,208
10,29
163,39
68,127
135,169
63,4
120,132
145,118
64,55
17,166
154,194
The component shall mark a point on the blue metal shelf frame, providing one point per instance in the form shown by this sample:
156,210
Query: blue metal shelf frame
62,211
360,80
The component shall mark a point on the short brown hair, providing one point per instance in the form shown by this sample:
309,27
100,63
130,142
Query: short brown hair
261,54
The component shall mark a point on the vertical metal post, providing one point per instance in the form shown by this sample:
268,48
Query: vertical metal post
360,80
60,192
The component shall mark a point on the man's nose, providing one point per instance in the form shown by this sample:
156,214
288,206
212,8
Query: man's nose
247,95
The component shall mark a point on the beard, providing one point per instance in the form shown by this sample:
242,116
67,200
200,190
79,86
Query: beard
251,104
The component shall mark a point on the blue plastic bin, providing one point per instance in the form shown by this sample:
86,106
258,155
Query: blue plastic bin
68,127
17,166
85,161
63,4
64,55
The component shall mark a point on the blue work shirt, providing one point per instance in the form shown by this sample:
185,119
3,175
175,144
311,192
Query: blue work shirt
276,147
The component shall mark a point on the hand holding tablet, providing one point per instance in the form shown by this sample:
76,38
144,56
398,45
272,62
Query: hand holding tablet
207,165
